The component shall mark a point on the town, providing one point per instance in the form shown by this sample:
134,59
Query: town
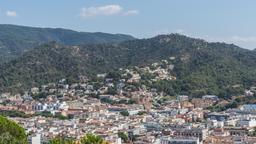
113,107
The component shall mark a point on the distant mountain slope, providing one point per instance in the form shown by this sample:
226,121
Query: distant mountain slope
200,67
15,40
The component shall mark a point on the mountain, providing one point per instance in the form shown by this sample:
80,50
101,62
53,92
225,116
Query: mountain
200,67
15,40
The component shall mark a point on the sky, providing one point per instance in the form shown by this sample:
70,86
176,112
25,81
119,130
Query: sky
230,21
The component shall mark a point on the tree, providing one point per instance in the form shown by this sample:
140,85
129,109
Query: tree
112,90
114,74
253,133
61,140
123,136
13,113
11,132
124,113
141,112
92,139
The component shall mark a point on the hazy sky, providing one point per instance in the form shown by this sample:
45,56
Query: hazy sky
232,21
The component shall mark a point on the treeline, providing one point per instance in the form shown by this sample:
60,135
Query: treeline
15,113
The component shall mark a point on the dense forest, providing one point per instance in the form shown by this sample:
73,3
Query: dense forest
200,67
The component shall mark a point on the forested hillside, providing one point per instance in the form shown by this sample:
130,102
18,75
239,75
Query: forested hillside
200,67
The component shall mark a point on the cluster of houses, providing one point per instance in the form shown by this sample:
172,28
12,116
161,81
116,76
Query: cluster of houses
136,112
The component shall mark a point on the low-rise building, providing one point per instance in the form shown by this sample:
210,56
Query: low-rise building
179,140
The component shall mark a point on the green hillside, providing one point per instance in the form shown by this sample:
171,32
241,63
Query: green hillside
200,67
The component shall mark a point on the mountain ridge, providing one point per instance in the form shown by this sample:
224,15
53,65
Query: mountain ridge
15,40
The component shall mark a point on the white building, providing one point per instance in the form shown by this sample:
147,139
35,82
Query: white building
248,108
182,98
179,140
35,139
247,123
215,124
